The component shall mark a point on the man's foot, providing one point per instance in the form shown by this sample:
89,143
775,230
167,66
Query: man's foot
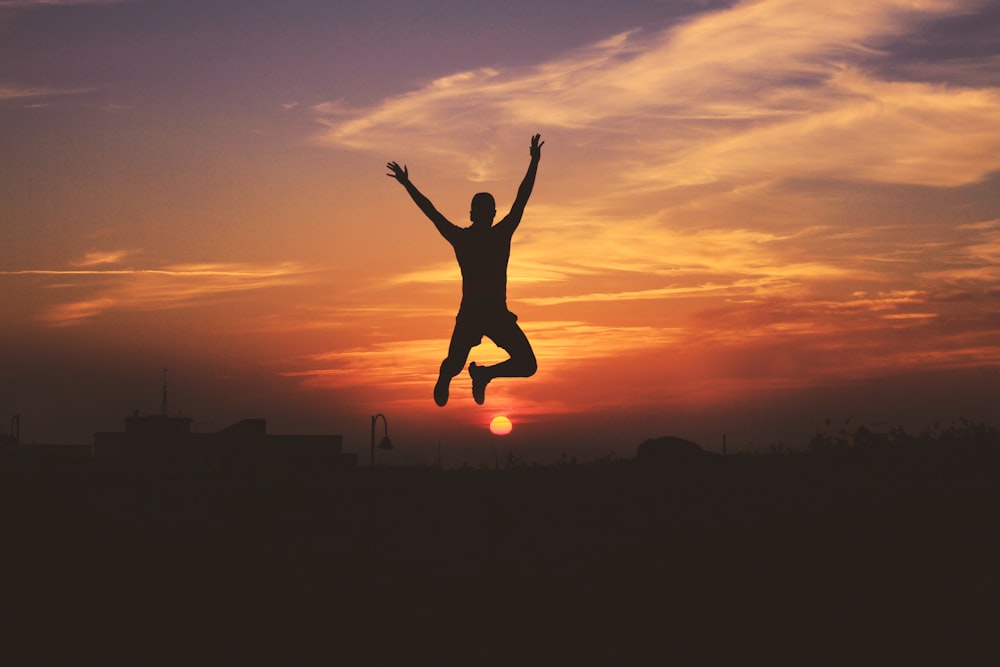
480,379
441,390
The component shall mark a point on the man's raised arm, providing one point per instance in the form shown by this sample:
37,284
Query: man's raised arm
402,175
524,191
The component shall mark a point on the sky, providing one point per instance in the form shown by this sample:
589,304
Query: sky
750,217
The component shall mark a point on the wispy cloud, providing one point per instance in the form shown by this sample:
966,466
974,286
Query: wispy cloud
99,257
21,92
31,95
180,271
766,89
140,289
659,259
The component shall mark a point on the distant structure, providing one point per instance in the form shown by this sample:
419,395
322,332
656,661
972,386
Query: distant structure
150,430
163,435
14,439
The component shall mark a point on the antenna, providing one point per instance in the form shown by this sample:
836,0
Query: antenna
163,406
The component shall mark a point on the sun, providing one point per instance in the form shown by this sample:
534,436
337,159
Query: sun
500,425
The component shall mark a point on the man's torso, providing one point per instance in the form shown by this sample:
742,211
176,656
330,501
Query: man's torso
482,256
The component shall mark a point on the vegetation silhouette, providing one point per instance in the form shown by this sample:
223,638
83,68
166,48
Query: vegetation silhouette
863,547
670,450
482,251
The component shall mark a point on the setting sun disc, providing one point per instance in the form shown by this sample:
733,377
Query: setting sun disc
500,425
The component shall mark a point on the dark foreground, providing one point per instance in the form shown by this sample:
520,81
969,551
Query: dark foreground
873,554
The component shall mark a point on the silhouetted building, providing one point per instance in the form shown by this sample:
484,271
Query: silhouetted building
160,434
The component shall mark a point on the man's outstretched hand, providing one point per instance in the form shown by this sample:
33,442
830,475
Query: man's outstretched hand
399,173
536,148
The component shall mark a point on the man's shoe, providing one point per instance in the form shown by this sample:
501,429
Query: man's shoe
479,382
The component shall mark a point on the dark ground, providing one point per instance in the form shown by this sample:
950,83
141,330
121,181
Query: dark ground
862,551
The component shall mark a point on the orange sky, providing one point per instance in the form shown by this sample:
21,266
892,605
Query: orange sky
748,217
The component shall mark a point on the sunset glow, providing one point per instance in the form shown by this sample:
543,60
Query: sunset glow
749,216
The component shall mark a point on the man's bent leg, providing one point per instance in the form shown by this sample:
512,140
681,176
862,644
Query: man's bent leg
449,369
522,362
458,352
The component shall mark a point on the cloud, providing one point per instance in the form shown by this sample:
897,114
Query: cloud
763,90
16,92
100,257
129,289
667,141
562,250
859,128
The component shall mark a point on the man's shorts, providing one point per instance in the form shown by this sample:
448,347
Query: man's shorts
498,325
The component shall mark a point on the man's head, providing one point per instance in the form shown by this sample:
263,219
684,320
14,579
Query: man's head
484,209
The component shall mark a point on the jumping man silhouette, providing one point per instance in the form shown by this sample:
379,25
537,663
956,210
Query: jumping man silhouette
482,250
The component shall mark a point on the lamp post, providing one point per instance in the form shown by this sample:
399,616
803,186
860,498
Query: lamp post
385,443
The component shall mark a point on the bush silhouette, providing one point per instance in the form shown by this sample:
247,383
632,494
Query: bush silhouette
669,450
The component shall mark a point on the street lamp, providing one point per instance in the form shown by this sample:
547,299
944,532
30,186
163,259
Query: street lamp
385,443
